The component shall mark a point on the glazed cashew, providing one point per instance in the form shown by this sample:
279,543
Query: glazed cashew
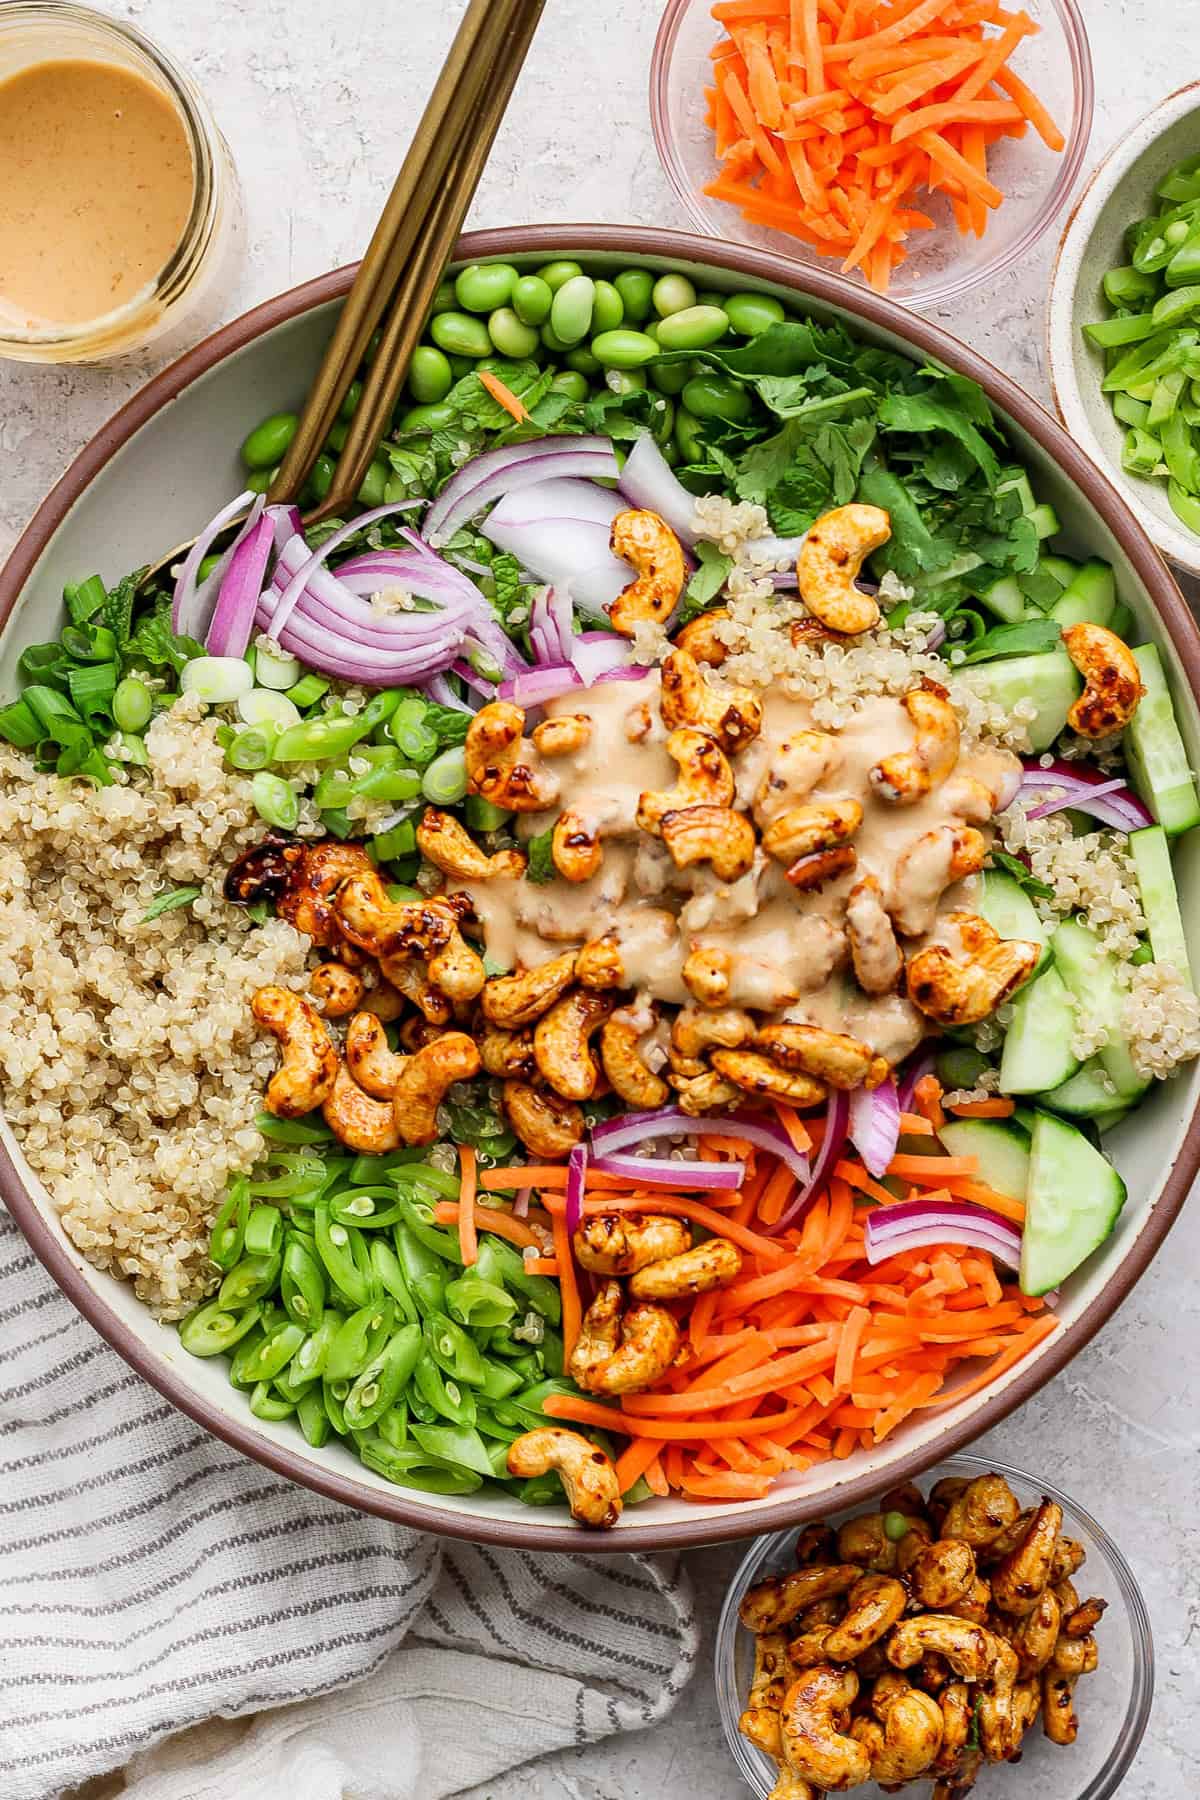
908,1736
1074,1656
396,932
972,1652
943,1573
374,1066
617,1354
712,1264
424,1080
705,779
877,958
575,846
409,979
926,867
798,765
1069,1556
646,541
1010,1539
1060,1721
829,563
705,1093
417,1031
803,830
875,1604
547,1125
772,1604
335,989
564,735
306,1074
1023,1576
713,834
599,964
815,1543
1000,1720
808,873
865,1540
1083,1619
957,1704
1037,1634
829,1056
694,1033
908,775
769,1683
757,1074
706,974
980,1511
363,1124
502,766
814,1710
314,876
975,1605
730,714
445,842
791,1786
700,639
587,1474
942,1496
1112,684
516,1000
622,1061
561,1043
621,1243
954,990
507,1054
382,999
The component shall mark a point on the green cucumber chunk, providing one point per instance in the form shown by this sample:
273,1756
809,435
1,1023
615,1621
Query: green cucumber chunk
1154,750
1090,597
1074,1198
1008,909
1002,1153
1122,624
1091,975
1048,678
1004,598
1089,1094
1037,1052
1060,569
1151,853
1045,521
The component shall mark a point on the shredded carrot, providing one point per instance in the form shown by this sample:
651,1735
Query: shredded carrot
541,1265
999,1108
932,1171
468,1242
794,1125
489,1218
686,1209
503,396
572,1311
915,1125
634,1461
928,1096
613,1418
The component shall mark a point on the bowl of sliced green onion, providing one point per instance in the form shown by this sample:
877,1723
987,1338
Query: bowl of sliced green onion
1124,323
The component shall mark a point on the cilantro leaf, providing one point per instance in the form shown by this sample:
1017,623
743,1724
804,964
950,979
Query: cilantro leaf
1027,638
540,867
924,413
709,578
1012,865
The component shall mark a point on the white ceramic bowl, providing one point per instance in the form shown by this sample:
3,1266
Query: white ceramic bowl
166,462
1120,192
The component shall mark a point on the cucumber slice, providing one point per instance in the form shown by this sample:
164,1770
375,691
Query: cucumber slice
1003,1153
1074,1198
1009,910
960,1066
1005,599
1060,569
1014,495
1122,624
1090,598
1105,1121
1023,1118
964,564
1090,1093
1091,975
1049,679
1037,1052
1151,853
1155,752
1045,521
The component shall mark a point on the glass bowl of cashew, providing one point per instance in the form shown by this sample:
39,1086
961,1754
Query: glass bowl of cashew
979,1619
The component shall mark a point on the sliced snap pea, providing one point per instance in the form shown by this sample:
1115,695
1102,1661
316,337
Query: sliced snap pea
482,287
313,1419
509,335
339,1251
211,1329
229,1226
302,1282
672,294
461,335
531,300
415,1468
390,1276
251,1279
392,1425
267,443
365,1207
693,328
267,1403
309,1361
458,1445
359,1338
383,1379
477,1303
454,1350
750,314
430,376
264,1231
270,1355
424,1272
442,1394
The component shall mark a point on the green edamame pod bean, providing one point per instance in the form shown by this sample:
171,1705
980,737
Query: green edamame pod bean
460,335
583,362
552,342
710,297
672,294
557,274
268,442
571,311
608,308
320,479
687,435
445,300
625,381
669,378
482,287
695,328
349,405
571,383
510,337
335,443
260,480
716,397
373,484
636,288
751,313
434,417
461,365
531,300
624,349
430,376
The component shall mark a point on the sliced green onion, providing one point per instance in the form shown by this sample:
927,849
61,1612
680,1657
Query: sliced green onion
133,704
265,706
92,686
273,667
445,780
481,815
401,840
217,680
42,663
19,726
170,902
276,803
334,788
389,784
89,643
307,691
84,599
250,749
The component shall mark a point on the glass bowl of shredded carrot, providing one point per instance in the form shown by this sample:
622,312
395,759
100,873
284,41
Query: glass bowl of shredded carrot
920,146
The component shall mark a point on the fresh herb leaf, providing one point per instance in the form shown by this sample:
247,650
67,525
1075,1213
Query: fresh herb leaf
1027,638
153,641
1012,865
450,724
474,407
711,574
540,865
117,611
509,589
472,1118
919,413
170,902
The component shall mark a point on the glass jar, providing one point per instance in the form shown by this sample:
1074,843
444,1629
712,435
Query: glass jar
184,298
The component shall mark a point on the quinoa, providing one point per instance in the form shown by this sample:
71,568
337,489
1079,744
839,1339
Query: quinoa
1160,1015
1092,875
130,1066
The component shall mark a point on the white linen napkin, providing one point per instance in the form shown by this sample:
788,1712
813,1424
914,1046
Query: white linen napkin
151,1578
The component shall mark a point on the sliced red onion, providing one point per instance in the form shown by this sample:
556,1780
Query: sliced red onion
649,481
573,555
233,617
875,1125
920,1224
533,687
479,684
521,1200
551,626
487,477
1084,789
439,689
580,501
837,1124
318,558
661,1172
319,648
577,1164
937,636
614,1135
922,1062
191,607
603,656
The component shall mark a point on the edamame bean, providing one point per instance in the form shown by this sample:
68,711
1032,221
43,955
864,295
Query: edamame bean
663,422
571,383
710,297
460,366
571,311
260,481
695,328
426,418
636,288
608,308
509,335
672,294
482,287
132,704
531,300
669,378
552,342
557,274
321,478
460,334
268,442
373,484
751,313
335,443
625,381
350,401
583,362
716,397
624,349
430,376
445,299
687,435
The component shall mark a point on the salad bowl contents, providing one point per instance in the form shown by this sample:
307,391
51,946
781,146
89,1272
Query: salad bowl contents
603,976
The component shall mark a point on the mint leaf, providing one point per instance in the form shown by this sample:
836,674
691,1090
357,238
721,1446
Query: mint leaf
1025,639
1012,865
117,611
155,643
540,867
709,578
166,903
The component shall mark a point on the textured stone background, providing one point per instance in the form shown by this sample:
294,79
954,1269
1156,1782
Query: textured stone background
317,102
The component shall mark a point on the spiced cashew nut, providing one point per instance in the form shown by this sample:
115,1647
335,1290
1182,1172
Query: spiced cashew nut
705,779
769,1683
628,1073
1023,1576
909,775
306,1075
701,638
814,1709
502,766
516,1000
757,1074
699,1270
587,1474
622,1243
397,932
561,1042
973,1653
906,1733
829,1056
877,958
942,1573
547,1125
336,989
424,1080
733,715
830,560
962,989
980,1511
1112,682
693,1034
926,867
374,1065
445,841
713,834
618,1353
642,538
798,765
772,1604
359,1121
804,830
874,1604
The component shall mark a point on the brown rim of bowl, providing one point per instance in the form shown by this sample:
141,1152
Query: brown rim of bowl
630,241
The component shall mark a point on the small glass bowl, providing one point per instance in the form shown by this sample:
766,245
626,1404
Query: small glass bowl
1113,1703
941,264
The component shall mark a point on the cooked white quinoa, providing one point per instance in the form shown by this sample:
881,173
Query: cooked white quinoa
1091,874
130,1065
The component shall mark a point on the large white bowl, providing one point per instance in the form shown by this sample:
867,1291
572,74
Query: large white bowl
164,464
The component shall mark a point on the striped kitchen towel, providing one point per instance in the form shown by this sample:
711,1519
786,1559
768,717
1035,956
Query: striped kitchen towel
151,1578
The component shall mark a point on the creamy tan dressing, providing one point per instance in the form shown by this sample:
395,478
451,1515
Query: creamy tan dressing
96,185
